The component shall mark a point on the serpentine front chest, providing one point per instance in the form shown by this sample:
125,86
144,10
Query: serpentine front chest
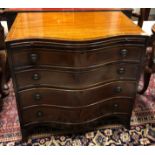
75,71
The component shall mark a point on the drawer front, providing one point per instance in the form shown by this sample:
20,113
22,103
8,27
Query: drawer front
43,57
76,79
76,98
40,114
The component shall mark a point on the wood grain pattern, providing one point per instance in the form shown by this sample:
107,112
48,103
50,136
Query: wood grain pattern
76,79
73,116
76,98
72,26
78,59
75,70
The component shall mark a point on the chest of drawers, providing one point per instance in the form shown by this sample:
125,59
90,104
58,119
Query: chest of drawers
74,81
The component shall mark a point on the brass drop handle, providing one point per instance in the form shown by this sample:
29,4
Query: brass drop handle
39,114
37,96
121,70
36,76
124,52
118,89
33,57
115,105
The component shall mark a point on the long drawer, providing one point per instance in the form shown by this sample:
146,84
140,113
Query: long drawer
25,58
76,98
49,114
76,79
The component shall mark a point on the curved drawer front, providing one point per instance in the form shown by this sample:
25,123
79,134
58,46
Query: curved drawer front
50,57
77,98
76,79
76,115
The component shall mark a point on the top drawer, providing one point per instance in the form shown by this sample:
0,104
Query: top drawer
29,57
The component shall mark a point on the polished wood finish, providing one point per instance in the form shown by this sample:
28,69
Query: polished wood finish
78,81
88,96
77,26
44,57
75,116
11,13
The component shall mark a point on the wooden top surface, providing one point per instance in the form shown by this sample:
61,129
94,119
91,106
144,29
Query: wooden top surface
72,26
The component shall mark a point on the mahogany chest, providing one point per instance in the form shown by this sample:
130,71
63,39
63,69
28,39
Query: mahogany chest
74,71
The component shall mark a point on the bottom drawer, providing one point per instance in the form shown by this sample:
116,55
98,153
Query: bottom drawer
52,114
